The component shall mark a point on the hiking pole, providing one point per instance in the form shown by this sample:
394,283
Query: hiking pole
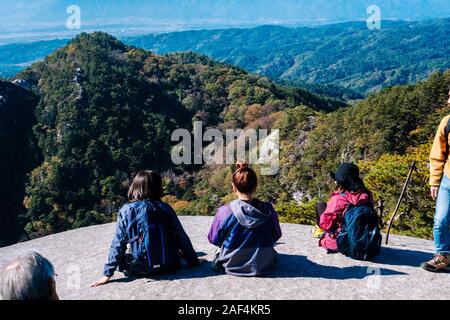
412,167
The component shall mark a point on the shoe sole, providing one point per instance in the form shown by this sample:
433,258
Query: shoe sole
426,268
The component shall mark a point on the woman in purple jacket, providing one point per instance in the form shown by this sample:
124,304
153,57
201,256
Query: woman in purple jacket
246,229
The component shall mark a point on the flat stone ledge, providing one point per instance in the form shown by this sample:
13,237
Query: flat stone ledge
304,271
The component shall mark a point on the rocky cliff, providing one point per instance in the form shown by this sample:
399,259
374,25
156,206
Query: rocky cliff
303,272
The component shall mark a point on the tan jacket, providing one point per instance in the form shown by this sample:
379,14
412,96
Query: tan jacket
439,162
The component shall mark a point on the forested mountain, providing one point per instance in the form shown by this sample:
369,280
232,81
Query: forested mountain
106,110
346,54
18,156
383,134
18,56
343,61
340,60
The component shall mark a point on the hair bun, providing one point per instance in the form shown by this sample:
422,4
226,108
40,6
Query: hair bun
244,178
241,166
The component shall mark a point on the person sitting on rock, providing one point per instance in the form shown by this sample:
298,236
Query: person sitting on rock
29,276
149,237
245,230
350,189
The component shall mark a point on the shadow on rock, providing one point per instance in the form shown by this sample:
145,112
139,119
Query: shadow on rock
201,271
185,272
293,266
402,257
123,280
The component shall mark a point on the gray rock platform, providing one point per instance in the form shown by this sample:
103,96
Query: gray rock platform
304,271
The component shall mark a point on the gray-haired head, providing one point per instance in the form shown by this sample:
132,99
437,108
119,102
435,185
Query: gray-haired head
29,276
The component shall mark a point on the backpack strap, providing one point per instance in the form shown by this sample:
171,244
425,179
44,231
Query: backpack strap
447,132
147,206
344,195
132,240
349,204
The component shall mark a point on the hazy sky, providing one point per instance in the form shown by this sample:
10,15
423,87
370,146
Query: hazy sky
29,15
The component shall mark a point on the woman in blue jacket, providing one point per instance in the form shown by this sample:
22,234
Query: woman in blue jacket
246,229
146,211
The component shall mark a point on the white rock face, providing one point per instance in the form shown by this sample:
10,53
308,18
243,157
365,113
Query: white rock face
303,272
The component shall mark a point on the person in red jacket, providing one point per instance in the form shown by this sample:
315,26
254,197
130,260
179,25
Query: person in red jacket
350,188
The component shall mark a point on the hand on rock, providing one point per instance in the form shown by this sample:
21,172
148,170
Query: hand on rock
101,282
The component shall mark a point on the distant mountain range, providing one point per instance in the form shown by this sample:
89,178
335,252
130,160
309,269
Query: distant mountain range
94,112
347,54
45,13
17,56
339,60
98,109
36,20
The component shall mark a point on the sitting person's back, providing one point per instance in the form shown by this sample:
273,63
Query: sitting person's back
349,221
331,218
246,230
149,237
150,227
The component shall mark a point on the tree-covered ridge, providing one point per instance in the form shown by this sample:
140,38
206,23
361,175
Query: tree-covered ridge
346,54
383,134
18,155
107,110
104,110
17,56
344,60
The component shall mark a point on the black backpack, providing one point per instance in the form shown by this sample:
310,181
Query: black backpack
360,237
151,245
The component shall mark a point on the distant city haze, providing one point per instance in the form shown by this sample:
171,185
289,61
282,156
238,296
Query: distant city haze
24,20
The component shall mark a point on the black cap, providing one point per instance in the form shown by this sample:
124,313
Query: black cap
347,176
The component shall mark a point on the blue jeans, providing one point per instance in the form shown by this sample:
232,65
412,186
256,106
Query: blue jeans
441,229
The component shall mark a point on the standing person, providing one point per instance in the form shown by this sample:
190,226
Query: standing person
149,238
350,189
29,276
440,191
245,230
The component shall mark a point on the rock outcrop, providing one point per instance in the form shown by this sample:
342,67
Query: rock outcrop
304,271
